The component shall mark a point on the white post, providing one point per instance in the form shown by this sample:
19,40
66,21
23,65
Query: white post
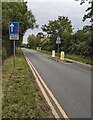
53,53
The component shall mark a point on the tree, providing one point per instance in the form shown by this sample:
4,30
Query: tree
46,44
40,35
32,41
89,15
81,42
15,11
61,27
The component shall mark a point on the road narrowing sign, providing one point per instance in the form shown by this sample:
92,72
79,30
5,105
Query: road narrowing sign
14,30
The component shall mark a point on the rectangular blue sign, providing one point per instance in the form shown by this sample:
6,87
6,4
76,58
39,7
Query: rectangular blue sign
14,28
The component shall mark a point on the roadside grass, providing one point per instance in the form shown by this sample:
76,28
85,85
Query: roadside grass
43,51
22,97
78,58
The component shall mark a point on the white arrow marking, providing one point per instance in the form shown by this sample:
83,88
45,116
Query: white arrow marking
11,26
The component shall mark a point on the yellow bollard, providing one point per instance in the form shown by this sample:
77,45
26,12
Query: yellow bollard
62,55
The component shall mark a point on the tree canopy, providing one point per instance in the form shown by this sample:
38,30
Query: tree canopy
58,28
16,12
89,15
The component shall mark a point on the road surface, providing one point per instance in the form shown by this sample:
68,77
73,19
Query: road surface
70,83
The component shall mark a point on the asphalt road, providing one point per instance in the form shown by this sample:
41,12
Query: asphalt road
70,83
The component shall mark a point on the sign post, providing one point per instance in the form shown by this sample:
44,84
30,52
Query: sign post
58,41
14,34
14,53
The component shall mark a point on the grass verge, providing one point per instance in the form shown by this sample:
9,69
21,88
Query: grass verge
78,58
22,97
43,51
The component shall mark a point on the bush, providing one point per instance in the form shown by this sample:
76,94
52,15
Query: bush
4,53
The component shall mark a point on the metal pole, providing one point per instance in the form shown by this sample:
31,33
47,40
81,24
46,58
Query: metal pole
58,49
14,54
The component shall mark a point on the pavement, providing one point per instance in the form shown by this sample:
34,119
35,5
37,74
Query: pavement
69,82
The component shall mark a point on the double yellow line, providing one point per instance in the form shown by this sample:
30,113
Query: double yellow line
44,87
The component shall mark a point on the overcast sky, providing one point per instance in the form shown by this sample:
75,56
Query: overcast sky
45,10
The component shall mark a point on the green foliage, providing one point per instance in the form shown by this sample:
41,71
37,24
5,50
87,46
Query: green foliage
78,43
47,44
81,42
4,53
83,59
61,27
32,41
35,41
24,45
22,97
62,24
79,58
89,15
40,35
67,39
16,12
44,51
81,1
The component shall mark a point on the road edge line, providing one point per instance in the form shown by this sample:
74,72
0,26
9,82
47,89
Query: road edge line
51,94
43,91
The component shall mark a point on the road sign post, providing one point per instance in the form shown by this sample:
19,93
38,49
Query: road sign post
58,41
14,35
58,47
14,53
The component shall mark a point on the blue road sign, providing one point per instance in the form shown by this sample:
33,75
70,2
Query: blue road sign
14,28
